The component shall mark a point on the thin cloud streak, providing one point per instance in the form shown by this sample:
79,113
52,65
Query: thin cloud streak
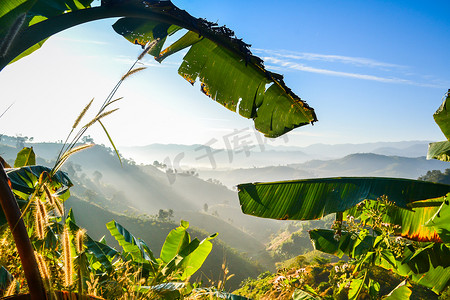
302,67
359,61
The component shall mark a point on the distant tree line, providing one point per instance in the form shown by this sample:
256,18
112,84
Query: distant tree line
437,176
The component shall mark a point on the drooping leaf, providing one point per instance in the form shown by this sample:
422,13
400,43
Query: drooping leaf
439,150
314,198
401,292
25,179
273,109
224,65
442,116
25,157
16,16
136,247
175,241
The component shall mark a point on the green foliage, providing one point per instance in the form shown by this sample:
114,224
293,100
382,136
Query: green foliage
314,198
437,176
25,157
228,72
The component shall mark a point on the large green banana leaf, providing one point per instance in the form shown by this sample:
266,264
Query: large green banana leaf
24,181
175,241
190,258
136,247
441,150
224,65
102,254
314,198
440,221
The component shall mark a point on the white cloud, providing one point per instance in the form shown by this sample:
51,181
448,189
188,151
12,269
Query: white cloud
358,61
284,62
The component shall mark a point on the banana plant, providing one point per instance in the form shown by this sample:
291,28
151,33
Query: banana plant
417,211
179,259
224,65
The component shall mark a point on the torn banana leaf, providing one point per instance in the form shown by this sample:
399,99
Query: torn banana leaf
224,66
227,71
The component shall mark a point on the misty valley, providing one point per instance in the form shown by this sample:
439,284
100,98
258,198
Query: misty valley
150,199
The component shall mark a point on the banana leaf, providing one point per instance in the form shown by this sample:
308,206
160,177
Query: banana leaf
440,221
190,258
25,157
136,247
25,179
224,65
175,241
101,254
428,266
314,198
439,150
442,116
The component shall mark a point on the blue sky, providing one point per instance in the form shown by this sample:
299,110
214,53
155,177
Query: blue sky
373,71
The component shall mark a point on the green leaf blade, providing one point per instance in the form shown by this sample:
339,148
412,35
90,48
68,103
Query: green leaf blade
25,157
314,198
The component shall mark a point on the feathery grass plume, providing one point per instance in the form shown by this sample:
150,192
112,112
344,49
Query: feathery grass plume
100,116
42,265
41,218
79,240
115,100
92,285
65,156
53,201
148,48
67,258
81,115
12,288
128,74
